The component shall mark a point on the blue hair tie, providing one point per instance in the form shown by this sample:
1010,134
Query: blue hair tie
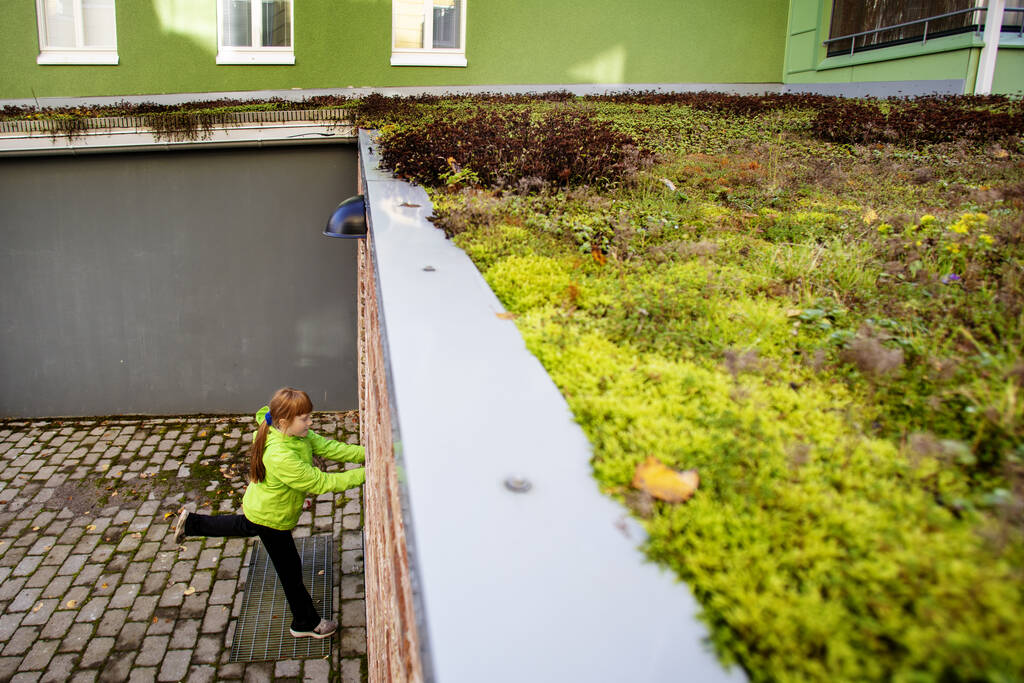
270,421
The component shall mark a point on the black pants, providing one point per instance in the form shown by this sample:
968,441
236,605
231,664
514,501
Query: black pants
280,547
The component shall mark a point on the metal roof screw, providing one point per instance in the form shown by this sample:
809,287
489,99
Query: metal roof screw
518,484
429,269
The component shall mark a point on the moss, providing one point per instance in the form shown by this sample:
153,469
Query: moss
831,335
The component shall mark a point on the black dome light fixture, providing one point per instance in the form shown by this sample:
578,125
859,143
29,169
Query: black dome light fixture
348,220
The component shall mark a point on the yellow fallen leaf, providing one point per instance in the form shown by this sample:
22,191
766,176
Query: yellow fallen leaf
37,607
35,528
72,603
167,514
320,573
156,619
190,590
870,216
665,483
506,316
793,312
104,585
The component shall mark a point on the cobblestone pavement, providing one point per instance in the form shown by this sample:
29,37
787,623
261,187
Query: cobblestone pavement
92,587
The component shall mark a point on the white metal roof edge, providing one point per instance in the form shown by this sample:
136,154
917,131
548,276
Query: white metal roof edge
546,585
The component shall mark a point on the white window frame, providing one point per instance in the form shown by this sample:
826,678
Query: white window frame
106,54
227,54
429,56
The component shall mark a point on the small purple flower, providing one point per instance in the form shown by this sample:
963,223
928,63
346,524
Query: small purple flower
949,277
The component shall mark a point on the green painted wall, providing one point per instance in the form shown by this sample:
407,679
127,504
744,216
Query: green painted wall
170,46
953,57
1009,76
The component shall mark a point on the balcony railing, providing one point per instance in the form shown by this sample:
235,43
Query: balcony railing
977,26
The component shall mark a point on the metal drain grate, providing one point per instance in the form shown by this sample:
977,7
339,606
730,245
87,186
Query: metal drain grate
261,633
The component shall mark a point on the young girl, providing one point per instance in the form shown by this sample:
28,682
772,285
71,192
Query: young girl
281,473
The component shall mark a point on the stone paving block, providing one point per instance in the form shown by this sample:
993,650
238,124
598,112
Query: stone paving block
352,540
182,571
353,613
77,638
112,622
351,671
288,667
41,577
163,622
27,565
131,635
208,558
102,553
118,667
58,553
125,595
316,670
229,568
155,583
173,595
43,545
21,641
89,575
84,677
207,649
143,608
27,677
58,624
353,586
216,619
351,561
9,623
185,634
8,667
223,592
165,560
201,674
143,674
350,522
259,672
73,564
40,612
136,572
152,651
57,587
39,656
195,605
96,652
24,601
233,671
175,665
353,641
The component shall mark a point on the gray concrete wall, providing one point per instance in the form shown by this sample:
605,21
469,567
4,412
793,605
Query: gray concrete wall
170,282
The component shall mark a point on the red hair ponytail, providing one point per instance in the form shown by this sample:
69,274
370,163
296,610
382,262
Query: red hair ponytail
285,406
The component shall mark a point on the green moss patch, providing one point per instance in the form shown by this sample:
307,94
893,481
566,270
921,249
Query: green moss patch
830,333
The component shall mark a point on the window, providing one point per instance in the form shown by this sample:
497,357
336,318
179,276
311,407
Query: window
76,32
254,32
855,16
428,33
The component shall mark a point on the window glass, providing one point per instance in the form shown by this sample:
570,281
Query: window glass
98,22
237,29
409,21
447,23
60,23
277,30
855,16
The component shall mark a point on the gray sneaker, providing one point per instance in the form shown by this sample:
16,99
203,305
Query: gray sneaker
179,526
324,629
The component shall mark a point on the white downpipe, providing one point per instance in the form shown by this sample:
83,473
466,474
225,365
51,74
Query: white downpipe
987,63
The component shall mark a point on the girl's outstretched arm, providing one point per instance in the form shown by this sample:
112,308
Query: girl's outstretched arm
335,450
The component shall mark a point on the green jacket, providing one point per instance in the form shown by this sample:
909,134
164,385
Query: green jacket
276,501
